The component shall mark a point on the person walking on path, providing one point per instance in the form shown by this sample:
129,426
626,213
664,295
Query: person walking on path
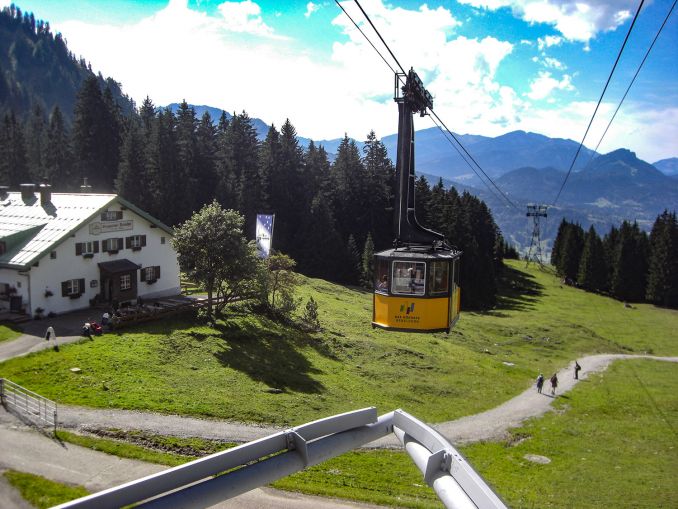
49,333
554,383
540,382
577,367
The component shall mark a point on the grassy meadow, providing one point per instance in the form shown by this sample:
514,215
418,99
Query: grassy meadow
229,370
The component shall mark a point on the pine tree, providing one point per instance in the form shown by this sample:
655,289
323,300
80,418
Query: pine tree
380,174
557,245
58,155
96,135
187,159
13,160
132,183
630,264
367,272
353,262
36,135
569,256
662,281
592,273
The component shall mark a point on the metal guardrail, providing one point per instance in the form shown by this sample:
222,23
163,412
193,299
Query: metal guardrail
227,474
36,408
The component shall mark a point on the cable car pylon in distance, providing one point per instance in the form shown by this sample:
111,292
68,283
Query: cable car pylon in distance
536,212
416,285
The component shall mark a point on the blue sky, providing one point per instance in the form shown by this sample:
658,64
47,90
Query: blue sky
493,66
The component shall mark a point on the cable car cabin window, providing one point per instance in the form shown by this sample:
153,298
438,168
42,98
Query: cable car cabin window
455,273
438,278
408,278
381,277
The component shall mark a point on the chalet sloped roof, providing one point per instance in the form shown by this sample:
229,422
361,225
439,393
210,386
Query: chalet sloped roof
30,229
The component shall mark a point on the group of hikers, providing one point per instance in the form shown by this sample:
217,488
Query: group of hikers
554,379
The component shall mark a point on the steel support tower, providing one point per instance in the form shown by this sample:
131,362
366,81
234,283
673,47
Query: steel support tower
536,212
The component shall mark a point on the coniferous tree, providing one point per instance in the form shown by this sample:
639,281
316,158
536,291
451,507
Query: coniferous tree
187,159
558,242
132,183
662,281
353,262
367,276
630,264
592,273
322,249
13,160
206,144
58,155
36,144
239,169
96,135
380,175
567,264
610,242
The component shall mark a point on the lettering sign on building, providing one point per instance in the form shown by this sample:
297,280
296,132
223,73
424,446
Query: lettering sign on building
98,227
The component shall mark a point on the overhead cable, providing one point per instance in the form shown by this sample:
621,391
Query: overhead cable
444,132
379,35
609,78
503,195
595,151
365,36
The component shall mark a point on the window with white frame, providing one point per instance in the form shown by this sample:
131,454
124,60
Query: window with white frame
125,282
73,287
135,241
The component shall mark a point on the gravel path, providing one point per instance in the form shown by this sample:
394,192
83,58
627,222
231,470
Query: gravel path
489,425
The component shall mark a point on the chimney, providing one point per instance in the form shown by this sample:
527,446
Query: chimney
27,191
4,191
45,194
85,187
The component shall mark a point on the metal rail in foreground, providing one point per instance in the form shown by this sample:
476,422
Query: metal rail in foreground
36,408
227,474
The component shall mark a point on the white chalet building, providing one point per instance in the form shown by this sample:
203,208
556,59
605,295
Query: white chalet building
65,251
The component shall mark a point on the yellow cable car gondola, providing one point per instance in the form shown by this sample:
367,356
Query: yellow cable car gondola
416,283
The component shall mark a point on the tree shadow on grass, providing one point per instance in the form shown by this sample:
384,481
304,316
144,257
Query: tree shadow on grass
269,357
517,291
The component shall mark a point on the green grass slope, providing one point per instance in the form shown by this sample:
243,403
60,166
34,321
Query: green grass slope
228,371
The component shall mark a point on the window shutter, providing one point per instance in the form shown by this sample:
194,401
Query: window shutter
143,241
157,272
128,242
104,245
64,289
143,274
120,243
95,245
81,285
78,248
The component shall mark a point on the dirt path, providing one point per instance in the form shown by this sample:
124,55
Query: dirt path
492,424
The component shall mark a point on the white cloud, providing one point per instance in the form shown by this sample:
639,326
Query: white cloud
545,84
576,20
548,41
310,9
242,17
554,63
